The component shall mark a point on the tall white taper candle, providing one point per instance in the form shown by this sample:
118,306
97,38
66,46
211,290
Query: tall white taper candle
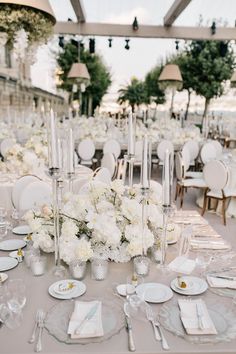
131,142
144,171
70,152
54,142
166,179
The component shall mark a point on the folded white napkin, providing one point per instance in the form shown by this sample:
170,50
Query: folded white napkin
204,231
218,244
195,317
221,283
90,328
182,264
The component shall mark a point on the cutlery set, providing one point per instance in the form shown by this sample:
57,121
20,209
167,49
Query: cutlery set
158,333
39,325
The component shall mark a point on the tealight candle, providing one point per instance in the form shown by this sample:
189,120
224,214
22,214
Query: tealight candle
99,268
77,269
141,265
38,265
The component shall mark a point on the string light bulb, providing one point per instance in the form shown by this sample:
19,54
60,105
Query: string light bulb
109,42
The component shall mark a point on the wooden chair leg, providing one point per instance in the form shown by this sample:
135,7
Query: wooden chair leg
176,190
181,196
204,203
223,210
216,206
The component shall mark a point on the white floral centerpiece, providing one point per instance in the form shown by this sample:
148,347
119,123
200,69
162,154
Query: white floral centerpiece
105,222
19,160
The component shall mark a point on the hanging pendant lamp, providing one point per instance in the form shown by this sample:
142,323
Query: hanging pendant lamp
41,5
171,77
79,71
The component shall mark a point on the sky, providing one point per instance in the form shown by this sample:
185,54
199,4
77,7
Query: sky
144,54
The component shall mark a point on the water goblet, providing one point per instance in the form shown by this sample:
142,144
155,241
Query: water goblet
3,214
3,229
16,294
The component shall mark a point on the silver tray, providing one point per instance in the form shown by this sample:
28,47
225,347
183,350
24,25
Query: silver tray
221,313
58,318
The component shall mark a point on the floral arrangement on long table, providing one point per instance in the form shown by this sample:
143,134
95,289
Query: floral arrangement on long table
104,221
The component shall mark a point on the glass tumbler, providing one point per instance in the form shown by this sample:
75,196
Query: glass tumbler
99,269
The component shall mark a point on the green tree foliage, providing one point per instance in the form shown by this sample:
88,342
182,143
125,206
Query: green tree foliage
208,65
152,87
100,75
134,93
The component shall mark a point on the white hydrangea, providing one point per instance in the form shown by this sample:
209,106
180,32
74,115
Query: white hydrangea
43,240
132,210
83,250
69,230
118,186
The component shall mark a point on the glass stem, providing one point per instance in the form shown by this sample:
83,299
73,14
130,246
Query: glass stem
131,170
164,239
56,217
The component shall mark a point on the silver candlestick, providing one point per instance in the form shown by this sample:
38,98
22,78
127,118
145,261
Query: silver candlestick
54,173
70,178
130,160
167,211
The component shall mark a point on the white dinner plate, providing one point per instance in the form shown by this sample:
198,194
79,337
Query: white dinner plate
3,276
7,263
79,290
22,230
12,245
199,286
172,241
154,292
13,254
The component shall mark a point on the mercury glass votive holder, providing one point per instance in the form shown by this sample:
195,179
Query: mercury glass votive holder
99,269
141,265
78,269
38,265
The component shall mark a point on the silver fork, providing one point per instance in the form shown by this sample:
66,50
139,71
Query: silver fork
150,317
164,343
38,346
33,335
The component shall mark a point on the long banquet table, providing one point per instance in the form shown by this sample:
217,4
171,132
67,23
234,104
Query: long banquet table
16,341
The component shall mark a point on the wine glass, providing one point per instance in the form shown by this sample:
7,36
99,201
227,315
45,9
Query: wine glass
3,214
16,294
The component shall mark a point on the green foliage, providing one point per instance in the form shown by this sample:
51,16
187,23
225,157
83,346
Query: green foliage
135,93
152,87
99,74
38,25
209,64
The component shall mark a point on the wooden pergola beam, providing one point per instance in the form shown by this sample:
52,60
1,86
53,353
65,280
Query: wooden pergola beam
145,31
79,10
175,10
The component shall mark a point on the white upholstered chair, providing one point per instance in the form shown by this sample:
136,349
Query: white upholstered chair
19,186
216,176
109,161
208,152
35,195
161,149
112,146
86,151
182,183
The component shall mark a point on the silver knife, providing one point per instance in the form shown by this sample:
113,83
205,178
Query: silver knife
88,317
227,277
129,328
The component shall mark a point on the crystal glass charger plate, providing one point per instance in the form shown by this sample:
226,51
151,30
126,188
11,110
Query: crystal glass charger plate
58,318
221,313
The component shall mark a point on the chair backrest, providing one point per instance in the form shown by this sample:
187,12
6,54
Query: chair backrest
138,150
193,147
35,195
121,170
103,175
19,186
162,147
208,153
157,188
109,161
112,146
6,144
218,147
179,167
86,149
78,183
186,157
215,174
